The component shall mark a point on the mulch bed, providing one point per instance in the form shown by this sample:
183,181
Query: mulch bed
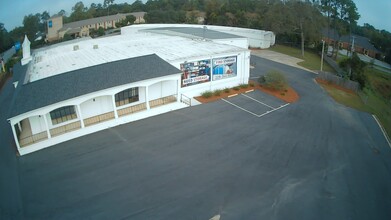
289,96
325,82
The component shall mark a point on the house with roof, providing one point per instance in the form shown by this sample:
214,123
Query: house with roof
57,30
78,87
361,44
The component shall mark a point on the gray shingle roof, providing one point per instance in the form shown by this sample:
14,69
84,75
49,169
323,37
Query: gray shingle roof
75,83
360,41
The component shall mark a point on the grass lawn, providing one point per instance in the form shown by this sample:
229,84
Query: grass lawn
311,60
377,94
373,104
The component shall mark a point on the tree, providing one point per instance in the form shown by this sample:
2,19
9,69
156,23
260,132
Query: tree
341,15
106,4
306,19
355,67
79,12
5,39
31,25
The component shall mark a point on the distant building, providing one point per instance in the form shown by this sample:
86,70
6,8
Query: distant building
362,44
57,30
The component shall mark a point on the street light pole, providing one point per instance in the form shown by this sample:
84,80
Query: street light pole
321,60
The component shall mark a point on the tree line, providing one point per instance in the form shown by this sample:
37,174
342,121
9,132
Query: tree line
298,22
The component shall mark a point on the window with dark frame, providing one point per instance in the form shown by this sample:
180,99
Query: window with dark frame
126,97
63,114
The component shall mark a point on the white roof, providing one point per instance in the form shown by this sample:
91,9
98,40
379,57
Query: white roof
63,58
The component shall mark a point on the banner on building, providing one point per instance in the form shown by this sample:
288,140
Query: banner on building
224,67
195,72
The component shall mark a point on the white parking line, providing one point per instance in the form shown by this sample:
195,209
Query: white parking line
382,130
282,106
258,101
256,115
240,107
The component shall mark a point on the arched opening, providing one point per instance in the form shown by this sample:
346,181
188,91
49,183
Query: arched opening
97,110
130,101
162,93
64,119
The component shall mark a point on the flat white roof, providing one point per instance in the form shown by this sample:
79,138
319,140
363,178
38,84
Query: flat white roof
62,58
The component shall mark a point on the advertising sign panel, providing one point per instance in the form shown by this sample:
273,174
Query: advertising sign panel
195,72
224,67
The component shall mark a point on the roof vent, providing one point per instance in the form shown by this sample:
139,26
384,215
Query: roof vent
95,46
75,47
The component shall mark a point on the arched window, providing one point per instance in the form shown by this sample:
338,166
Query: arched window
126,97
63,114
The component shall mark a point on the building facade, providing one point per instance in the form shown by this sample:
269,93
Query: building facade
57,30
82,86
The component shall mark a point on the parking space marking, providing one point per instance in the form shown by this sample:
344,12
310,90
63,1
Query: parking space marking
252,113
282,106
240,107
258,101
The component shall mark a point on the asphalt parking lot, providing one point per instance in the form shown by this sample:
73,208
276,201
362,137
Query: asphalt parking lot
256,103
313,159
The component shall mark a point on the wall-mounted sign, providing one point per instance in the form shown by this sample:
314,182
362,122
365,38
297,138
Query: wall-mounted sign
224,67
195,72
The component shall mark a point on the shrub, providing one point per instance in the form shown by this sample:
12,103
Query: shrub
251,84
226,90
262,79
217,92
207,94
236,88
275,80
243,86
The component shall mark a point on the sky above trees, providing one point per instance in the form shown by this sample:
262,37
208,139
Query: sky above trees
377,13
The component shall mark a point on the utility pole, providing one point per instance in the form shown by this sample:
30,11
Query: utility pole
321,60
352,49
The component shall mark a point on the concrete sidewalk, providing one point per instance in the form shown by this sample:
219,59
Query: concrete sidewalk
280,58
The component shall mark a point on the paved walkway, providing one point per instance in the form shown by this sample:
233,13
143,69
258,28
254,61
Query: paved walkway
280,58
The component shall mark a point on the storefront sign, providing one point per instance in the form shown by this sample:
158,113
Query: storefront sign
195,72
225,67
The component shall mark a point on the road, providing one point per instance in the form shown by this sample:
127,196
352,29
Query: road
313,159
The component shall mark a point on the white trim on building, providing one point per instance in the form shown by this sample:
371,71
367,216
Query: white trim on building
191,66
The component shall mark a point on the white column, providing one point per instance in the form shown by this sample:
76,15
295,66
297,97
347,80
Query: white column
114,106
80,116
47,126
19,126
178,84
147,97
15,136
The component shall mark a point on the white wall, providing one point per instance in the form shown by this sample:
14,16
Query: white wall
37,124
256,38
243,74
238,42
101,105
162,89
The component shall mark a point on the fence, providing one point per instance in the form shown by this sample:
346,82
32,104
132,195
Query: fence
162,101
186,100
132,109
65,128
33,139
98,119
348,84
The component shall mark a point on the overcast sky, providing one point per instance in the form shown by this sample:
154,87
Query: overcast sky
374,12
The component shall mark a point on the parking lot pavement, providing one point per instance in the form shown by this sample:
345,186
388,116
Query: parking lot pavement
255,103
314,159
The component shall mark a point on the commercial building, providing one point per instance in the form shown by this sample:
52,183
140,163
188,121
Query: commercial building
360,44
57,30
79,87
